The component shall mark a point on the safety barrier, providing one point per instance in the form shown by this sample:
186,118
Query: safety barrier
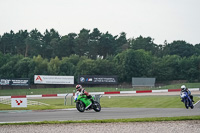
102,93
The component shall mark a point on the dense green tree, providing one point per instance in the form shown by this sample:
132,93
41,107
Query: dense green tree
197,49
8,70
54,66
107,45
133,63
33,47
82,42
41,65
34,43
104,67
19,42
7,45
66,45
86,67
50,39
55,45
190,68
95,67
74,59
24,68
24,54
67,68
145,43
167,68
121,43
180,48
4,58
93,45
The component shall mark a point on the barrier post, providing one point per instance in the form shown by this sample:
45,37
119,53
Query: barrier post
97,98
65,102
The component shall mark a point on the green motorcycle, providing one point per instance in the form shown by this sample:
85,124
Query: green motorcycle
83,103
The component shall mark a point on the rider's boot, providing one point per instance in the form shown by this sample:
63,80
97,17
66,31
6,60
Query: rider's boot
192,98
92,101
181,100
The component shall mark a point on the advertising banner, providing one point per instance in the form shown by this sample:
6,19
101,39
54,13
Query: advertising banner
18,102
137,81
15,82
46,79
96,79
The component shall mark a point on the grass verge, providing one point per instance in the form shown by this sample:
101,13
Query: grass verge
154,119
109,102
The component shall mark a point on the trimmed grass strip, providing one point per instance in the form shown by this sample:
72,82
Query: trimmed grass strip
154,119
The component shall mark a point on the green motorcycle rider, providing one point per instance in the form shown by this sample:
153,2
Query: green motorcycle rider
81,91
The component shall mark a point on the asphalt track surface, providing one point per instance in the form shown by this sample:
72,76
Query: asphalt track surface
106,113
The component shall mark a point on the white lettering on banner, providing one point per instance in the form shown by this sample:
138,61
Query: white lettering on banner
104,80
18,102
44,79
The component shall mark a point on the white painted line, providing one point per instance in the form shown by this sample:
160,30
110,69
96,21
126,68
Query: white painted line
20,121
63,95
96,93
193,89
68,109
30,96
196,103
127,92
5,96
156,91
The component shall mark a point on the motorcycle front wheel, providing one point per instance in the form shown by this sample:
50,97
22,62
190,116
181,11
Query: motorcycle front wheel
186,104
96,106
80,106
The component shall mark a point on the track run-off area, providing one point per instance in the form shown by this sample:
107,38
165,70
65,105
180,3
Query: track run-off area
18,116
13,116
106,113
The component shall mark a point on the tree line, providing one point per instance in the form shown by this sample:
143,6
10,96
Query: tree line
25,54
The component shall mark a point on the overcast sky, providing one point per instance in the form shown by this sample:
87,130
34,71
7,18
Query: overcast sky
160,19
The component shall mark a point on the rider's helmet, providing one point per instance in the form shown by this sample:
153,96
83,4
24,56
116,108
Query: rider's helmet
78,87
183,88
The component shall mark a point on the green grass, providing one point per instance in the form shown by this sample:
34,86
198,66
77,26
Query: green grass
181,118
176,86
144,102
54,103
106,102
11,92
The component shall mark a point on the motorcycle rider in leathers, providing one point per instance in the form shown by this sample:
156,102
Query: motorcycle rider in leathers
185,89
81,91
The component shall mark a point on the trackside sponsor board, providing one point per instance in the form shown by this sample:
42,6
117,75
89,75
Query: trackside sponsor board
18,102
15,82
45,79
96,79
139,81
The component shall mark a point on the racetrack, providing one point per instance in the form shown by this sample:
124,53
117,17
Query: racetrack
106,113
